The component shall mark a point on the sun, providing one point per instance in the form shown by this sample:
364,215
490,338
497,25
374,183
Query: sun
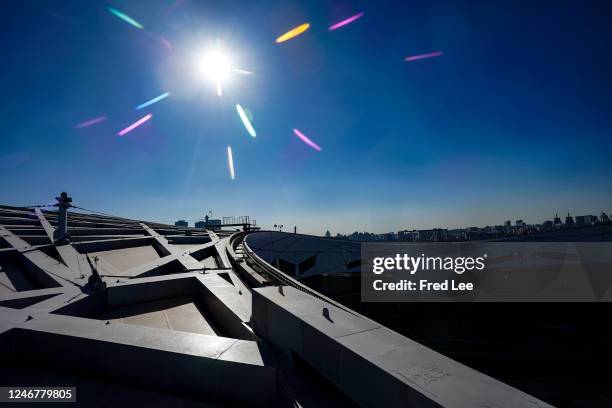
216,66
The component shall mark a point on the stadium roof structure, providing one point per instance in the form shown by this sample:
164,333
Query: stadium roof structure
131,311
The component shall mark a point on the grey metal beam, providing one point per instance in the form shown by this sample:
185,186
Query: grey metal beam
49,230
184,257
44,268
73,259
83,345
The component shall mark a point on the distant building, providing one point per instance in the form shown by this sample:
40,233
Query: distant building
520,223
557,222
181,223
604,218
406,235
585,220
214,223
208,223
432,235
507,223
389,236
569,221
456,234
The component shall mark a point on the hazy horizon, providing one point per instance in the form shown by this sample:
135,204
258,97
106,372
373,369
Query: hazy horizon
319,223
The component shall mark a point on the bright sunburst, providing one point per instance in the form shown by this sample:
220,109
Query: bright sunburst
216,66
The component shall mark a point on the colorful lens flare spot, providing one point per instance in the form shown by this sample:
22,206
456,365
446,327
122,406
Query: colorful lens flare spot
245,120
306,140
230,162
423,56
294,32
125,17
154,100
135,124
166,43
345,22
242,71
91,122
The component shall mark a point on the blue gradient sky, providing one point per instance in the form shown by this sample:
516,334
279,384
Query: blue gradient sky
512,122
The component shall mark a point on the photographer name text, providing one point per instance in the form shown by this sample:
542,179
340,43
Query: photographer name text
422,285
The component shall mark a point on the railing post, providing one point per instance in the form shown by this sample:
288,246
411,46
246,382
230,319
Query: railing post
61,236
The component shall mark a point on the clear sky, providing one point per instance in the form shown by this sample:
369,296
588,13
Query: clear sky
512,121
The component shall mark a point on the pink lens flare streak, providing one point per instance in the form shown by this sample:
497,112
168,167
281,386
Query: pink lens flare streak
91,122
306,140
423,56
166,43
347,21
135,124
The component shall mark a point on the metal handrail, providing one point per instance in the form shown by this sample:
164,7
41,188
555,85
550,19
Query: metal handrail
285,279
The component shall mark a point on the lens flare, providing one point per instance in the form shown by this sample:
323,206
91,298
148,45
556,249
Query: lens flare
245,120
242,71
152,101
306,140
135,124
345,22
125,18
90,122
294,32
166,43
423,56
230,162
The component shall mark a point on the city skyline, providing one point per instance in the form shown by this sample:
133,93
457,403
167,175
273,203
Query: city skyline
510,122
508,228
601,216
